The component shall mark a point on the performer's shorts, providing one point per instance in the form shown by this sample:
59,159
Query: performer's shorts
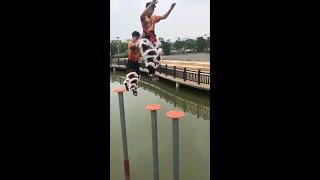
133,66
151,36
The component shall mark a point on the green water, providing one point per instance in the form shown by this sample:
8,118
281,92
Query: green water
194,131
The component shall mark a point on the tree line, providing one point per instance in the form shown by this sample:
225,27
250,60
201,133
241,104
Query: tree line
200,44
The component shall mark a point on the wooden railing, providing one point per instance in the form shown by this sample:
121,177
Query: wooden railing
186,75
196,76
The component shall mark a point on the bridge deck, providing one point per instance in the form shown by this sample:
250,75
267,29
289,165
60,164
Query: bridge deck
202,86
193,84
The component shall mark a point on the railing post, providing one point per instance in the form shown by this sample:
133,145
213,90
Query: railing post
166,69
174,72
199,76
184,74
118,62
175,116
125,62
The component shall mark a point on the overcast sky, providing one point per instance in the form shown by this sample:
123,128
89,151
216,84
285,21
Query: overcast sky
189,18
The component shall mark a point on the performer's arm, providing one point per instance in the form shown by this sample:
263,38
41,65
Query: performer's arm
167,14
154,2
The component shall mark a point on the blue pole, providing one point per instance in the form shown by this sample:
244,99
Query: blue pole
155,145
123,132
175,115
153,108
175,140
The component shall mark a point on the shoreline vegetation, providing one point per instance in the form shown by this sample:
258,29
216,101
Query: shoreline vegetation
193,54
192,61
185,46
187,54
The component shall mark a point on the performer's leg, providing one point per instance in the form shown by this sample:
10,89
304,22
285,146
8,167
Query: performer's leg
134,81
132,78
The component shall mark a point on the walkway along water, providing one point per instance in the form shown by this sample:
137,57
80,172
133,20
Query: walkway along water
195,79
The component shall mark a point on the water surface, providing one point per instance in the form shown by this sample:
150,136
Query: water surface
194,131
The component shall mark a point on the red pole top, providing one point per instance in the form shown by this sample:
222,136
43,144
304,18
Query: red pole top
153,107
175,114
119,89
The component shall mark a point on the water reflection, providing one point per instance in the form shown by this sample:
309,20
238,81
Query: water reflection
188,102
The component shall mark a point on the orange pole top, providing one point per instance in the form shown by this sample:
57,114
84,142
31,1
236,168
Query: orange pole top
153,107
119,89
174,114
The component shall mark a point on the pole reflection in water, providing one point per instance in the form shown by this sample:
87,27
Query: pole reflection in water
187,103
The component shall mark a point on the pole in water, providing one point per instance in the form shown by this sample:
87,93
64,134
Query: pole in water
120,91
153,108
175,116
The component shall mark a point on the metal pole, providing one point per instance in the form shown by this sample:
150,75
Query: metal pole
154,108
175,140
123,132
175,115
155,145
118,45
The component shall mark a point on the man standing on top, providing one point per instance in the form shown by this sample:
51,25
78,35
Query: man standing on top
148,20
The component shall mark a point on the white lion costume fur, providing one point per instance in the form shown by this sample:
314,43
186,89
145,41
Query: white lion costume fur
151,54
131,81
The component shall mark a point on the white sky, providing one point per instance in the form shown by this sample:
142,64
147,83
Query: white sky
189,18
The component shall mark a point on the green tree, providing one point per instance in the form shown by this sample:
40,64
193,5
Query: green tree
208,42
124,47
113,48
201,44
166,46
190,44
178,44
